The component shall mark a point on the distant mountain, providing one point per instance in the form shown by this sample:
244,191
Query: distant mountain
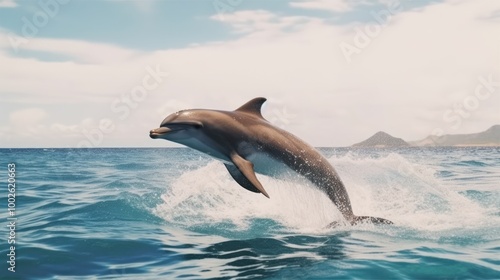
382,140
490,137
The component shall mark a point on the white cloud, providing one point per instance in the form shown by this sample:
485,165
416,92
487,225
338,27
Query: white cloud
415,70
329,5
27,117
86,71
263,25
145,6
25,123
8,4
249,21
66,129
75,50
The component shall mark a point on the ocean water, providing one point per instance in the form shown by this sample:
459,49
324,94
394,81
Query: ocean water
173,213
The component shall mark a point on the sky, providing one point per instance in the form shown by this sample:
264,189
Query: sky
77,73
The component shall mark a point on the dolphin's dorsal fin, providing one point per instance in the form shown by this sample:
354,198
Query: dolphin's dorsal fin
253,107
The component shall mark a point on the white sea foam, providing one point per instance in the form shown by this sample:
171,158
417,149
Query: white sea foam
407,193
209,194
391,187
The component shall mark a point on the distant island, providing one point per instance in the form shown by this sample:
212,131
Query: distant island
382,140
489,137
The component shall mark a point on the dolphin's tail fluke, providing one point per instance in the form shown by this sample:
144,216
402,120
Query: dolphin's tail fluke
368,219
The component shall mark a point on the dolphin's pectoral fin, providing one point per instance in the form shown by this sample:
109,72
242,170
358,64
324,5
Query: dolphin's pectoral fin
240,178
245,175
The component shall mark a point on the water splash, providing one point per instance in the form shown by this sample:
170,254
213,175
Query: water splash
391,186
209,194
408,193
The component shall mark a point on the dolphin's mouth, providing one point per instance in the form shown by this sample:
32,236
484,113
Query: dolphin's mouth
158,132
173,126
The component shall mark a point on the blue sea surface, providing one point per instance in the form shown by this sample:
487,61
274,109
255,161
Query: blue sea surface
174,213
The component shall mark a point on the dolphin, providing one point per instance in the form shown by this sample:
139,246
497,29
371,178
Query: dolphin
247,144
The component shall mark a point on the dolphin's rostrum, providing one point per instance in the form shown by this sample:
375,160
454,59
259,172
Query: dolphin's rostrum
247,143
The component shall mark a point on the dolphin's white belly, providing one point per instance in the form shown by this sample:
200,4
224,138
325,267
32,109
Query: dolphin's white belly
263,162
205,145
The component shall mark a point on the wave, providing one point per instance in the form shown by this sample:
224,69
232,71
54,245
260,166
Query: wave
408,193
471,163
